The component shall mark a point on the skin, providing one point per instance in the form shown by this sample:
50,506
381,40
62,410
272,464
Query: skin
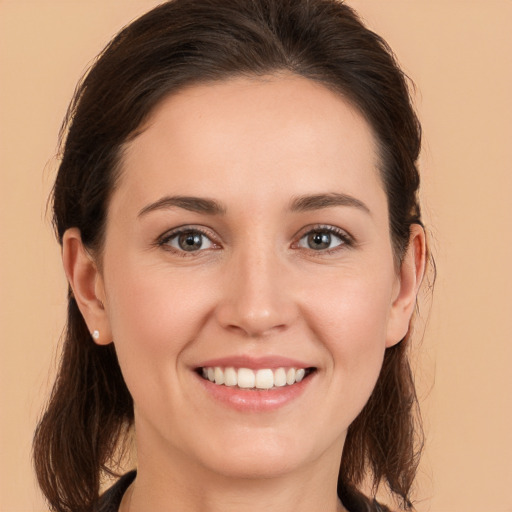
254,288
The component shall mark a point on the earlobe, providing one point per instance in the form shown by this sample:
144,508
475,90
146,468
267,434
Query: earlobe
87,285
410,278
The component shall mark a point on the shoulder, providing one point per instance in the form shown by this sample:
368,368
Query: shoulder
111,499
355,501
373,506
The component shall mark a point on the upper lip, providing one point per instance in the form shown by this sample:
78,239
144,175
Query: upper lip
255,363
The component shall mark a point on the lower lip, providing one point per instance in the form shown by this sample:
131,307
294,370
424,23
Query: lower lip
257,400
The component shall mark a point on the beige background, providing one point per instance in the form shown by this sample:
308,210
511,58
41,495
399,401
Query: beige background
458,53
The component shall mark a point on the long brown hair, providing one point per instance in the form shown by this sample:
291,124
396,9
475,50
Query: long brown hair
185,42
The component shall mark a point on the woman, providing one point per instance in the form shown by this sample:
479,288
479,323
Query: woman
237,208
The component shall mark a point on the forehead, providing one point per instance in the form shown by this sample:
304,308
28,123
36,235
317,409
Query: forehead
261,137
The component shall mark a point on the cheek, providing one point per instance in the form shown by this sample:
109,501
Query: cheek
154,317
350,316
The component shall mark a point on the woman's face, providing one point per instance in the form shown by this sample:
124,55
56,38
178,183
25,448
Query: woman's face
249,230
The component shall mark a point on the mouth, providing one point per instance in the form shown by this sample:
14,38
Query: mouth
254,379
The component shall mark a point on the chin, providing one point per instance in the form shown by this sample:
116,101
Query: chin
262,466
256,456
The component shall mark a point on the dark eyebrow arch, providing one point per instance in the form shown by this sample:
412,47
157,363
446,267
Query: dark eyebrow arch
193,204
319,201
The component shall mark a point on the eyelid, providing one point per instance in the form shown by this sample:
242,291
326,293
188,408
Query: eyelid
163,240
345,236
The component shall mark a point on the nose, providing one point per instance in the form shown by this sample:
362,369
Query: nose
258,295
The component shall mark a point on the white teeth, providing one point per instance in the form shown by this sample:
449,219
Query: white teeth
264,379
299,374
280,378
246,378
219,376
290,376
230,377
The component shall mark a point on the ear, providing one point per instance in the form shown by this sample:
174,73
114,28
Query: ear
87,285
410,277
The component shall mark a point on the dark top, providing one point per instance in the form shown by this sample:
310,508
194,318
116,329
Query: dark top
111,499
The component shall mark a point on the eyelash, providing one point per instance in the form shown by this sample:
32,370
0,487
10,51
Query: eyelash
347,240
170,235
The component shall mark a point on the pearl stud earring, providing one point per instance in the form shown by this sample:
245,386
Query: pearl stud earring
96,334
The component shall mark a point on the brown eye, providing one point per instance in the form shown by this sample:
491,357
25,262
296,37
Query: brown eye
189,241
322,239
319,240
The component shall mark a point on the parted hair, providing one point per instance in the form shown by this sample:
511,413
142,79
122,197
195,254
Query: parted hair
178,44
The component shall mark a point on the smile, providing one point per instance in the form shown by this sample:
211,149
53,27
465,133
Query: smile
247,378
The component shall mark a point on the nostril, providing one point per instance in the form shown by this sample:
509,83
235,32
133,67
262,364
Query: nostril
255,329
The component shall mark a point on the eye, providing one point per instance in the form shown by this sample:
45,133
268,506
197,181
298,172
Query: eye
188,240
324,238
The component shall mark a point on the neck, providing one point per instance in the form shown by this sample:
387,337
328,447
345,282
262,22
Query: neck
170,484
243,498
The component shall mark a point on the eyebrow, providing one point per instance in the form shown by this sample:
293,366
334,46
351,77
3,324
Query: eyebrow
298,204
320,201
193,204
